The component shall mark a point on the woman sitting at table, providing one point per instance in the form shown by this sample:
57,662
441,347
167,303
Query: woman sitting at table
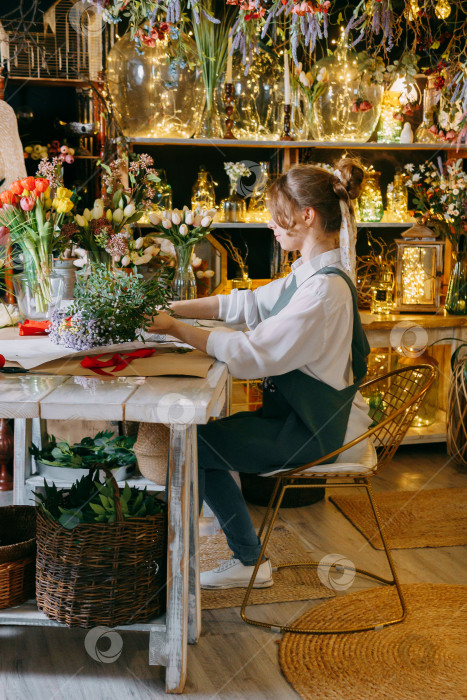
304,337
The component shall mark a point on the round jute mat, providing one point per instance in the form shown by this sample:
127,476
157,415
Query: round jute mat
424,657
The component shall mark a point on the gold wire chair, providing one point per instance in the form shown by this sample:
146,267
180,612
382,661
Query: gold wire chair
397,397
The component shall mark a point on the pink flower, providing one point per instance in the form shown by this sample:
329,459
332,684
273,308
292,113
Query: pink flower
27,203
63,149
69,158
4,235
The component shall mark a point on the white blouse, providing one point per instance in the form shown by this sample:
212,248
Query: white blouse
313,333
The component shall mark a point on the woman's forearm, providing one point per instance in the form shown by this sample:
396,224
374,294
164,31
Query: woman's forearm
206,307
197,337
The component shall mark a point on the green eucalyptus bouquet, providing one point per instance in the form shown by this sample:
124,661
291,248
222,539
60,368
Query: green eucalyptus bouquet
110,307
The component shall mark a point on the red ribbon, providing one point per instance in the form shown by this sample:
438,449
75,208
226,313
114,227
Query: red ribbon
33,327
118,361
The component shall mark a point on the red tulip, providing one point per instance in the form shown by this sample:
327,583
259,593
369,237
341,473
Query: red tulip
365,106
451,135
41,184
16,187
398,117
27,203
441,135
2,360
8,197
355,107
4,235
28,183
433,129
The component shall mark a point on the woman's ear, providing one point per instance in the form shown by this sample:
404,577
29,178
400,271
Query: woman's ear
309,216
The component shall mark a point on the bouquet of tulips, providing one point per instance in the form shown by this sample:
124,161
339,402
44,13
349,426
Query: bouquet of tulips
104,231
183,227
33,221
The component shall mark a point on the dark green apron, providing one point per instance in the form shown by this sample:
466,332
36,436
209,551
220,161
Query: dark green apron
301,419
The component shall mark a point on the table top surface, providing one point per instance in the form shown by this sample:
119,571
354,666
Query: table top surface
386,322
181,400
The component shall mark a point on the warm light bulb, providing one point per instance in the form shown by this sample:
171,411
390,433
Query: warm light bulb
414,9
443,9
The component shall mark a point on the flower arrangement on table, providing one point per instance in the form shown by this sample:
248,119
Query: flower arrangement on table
184,228
34,221
109,307
104,231
440,197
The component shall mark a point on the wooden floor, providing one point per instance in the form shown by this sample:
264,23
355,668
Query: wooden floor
232,660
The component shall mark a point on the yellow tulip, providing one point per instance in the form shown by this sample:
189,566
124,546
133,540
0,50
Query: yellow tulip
48,203
63,193
47,193
62,204
108,214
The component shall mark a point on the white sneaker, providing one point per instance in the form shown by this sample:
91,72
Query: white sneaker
233,574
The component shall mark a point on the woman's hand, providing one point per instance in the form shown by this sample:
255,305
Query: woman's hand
162,323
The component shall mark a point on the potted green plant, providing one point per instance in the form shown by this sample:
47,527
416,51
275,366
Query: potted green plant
65,462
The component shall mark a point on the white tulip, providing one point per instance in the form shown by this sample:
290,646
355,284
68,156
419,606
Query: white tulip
117,216
116,258
200,274
183,230
80,220
206,221
154,218
209,273
143,260
197,220
189,217
129,209
211,212
126,261
175,218
150,250
98,203
97,212
79,251
185,208
87,214
139,243
196,261
166,223
81,262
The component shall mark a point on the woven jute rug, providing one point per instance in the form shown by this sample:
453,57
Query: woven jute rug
289,584
424,657
431,518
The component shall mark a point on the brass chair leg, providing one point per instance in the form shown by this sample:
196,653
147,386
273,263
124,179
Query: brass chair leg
362,482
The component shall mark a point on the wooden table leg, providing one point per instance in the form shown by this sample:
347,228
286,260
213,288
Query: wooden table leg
22,494
178,558
194,592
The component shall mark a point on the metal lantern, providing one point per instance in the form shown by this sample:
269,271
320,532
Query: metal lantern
418,271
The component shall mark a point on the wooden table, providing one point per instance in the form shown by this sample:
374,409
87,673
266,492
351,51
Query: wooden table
184,403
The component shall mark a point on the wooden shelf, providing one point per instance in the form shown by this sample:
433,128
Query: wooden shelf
28,614
49,82
245,224
139,481
244,143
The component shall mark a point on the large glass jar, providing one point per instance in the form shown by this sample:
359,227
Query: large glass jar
257,97
203,194
38,294
257,210
390,127
155,93
371,201
349,109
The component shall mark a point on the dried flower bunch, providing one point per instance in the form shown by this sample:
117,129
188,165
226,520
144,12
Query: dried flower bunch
109,307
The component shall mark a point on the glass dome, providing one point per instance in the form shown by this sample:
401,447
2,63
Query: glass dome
257,97
349,109
155,93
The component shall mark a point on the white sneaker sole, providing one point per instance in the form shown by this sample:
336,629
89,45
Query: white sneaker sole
265,584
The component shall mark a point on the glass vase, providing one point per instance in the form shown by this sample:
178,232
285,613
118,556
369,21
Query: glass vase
456,297
184,281
209,126
233,208
371,201
38,290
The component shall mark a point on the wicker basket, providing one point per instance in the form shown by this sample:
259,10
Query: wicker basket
17,554
102,573
257,490
151,450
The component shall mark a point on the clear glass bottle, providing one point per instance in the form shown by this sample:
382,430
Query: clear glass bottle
203,194
397,199
371,200
257,211
431,97
381,292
